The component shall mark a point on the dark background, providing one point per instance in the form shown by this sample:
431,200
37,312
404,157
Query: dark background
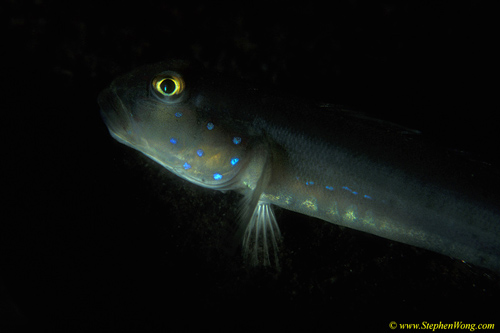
96,237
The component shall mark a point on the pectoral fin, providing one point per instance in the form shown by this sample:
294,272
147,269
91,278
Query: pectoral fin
260,240
257,222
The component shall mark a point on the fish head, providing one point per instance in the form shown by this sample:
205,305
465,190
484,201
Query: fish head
161,110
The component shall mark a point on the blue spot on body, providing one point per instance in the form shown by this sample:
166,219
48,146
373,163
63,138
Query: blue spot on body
187,166
355,193
309,183
329,188
348,189
173,141
234,160
178,114
236,140
217,176
210,126
200,152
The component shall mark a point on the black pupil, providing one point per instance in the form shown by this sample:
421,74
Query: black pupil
168,86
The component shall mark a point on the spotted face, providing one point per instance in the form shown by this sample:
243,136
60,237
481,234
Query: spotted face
158,111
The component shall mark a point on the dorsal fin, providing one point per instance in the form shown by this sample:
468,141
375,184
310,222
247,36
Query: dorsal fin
386,125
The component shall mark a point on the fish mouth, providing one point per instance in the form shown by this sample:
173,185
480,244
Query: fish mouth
114,113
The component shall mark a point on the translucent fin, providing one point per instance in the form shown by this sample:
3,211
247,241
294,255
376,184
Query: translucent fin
381,124
257,223
260,241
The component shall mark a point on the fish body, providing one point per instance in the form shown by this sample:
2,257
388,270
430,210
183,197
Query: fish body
338,166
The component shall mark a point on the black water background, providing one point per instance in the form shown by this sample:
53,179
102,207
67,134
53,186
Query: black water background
95,237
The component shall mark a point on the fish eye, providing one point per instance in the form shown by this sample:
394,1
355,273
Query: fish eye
168,86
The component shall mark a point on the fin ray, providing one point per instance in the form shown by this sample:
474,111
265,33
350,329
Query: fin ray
261,236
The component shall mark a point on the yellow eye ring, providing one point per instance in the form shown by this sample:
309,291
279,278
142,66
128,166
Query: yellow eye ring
168,85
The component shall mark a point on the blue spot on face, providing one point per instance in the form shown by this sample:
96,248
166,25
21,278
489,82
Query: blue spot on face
217,176
178,114
236,140
210,126
329,188
234,160
200,152
187,166
173,141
